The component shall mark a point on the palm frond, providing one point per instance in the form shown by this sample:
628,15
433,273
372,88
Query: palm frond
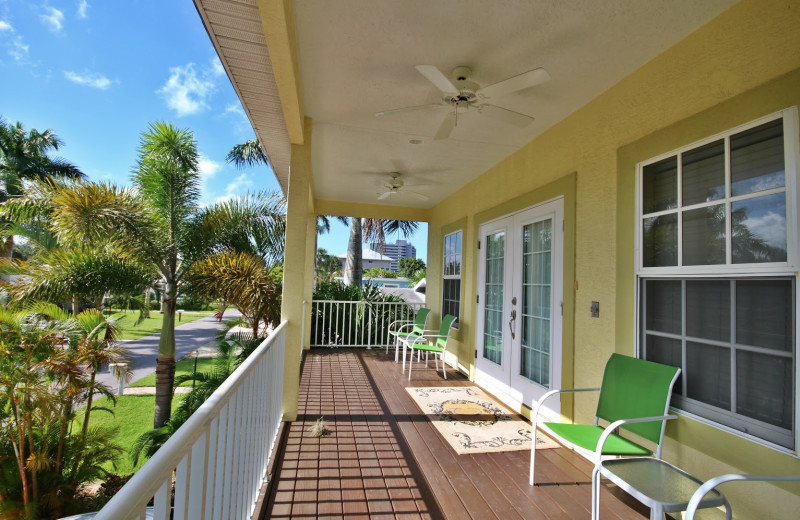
248,154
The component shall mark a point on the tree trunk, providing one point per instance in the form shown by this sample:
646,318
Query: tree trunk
353,265
165,367
146,310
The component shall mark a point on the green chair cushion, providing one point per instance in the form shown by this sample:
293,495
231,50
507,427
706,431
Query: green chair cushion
427,348
586,436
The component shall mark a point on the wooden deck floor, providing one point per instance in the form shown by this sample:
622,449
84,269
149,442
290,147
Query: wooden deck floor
384,458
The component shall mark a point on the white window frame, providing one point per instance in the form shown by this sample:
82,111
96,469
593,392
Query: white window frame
445,276
790,268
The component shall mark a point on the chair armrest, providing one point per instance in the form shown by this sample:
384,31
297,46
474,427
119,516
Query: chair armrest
402,324
616,424
536,405
716,481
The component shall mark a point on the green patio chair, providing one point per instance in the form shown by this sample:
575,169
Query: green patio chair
403,328
634,395
427,342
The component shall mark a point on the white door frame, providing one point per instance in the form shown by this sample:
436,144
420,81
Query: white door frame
505,381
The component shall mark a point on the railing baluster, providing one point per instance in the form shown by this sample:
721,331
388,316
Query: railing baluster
161,500
197,477
181,485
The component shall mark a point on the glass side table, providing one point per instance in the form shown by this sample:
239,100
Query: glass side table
657,484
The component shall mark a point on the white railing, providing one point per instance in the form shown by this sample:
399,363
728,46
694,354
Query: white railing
356,323
219,457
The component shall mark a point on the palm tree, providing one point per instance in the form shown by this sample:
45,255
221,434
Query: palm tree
160,224
370,230
24,157
241,279
251,153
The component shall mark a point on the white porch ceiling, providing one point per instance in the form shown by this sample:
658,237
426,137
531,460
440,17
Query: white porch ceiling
357,58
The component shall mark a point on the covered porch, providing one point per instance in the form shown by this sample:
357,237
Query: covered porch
385,459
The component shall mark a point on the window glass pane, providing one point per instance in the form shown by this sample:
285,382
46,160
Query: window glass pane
660,241
663,306
708,374
660,185
708,309
703,173
666,351
764,387
757,159
758,229
704,236
764,311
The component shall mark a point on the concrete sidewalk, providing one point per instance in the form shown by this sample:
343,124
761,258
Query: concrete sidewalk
188,337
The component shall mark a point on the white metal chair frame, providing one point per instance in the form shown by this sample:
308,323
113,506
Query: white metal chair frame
424,339
403,326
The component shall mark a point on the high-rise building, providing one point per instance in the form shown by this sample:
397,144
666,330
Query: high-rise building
397,250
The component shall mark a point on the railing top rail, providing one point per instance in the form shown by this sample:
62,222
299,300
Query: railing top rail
150,477
365,301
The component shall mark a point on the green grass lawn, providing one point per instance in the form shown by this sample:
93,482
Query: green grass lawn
184,366
152,325
133,415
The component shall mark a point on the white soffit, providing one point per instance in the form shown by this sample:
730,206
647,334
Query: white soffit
357,58
238,36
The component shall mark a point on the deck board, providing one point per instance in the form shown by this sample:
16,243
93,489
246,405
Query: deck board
385,459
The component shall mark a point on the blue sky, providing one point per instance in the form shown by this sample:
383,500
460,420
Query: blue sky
98,72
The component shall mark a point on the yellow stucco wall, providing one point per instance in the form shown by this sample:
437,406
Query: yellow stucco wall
740,66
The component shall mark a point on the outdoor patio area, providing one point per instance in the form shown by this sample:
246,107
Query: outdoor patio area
385,459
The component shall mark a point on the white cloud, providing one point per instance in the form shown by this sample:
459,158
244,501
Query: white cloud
5,26
53,19
770,227
188,90
207,168
83,6
216,66
18,50
89,79
236,188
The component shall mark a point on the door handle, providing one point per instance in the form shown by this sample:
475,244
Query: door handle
511,322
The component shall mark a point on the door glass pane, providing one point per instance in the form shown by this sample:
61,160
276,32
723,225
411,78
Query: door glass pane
708,309
703,175
536,298
764,387
757,159
758,229
660,186
660,241
704,236
708,374
764,310
493,310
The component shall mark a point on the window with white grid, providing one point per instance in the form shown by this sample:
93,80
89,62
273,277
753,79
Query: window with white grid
716,261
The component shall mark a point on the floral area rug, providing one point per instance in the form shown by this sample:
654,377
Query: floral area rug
473,422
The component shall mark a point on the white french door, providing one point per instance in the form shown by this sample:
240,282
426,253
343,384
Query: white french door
520,292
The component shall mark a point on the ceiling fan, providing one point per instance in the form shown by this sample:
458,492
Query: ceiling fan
394,185
465,94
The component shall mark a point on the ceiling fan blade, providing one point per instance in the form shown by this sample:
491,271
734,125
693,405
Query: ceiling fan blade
446,127
407,109
414,194
507,86
505,115
384,195
436,77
